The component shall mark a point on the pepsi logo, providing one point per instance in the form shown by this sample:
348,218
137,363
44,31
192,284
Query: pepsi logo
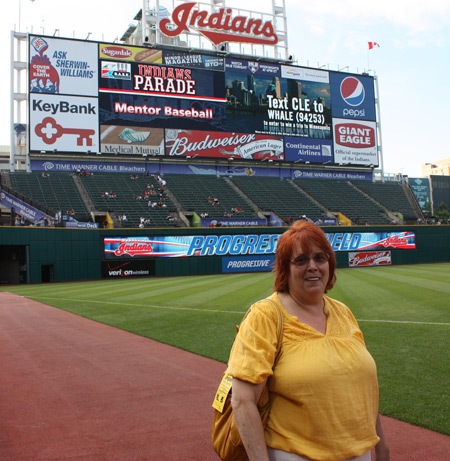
352,91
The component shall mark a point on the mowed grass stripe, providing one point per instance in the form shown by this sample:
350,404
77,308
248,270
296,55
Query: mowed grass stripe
405,325
390,299
423,280
106,304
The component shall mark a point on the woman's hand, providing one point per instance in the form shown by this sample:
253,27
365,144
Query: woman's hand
244,399
381,448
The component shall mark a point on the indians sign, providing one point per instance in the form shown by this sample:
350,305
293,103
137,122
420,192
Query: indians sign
219,27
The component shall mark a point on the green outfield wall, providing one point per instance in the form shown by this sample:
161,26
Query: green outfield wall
36,255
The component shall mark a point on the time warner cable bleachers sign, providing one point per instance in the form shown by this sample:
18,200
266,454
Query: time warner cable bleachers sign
243,252
92,97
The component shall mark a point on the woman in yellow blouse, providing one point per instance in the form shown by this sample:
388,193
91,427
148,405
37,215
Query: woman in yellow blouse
323,389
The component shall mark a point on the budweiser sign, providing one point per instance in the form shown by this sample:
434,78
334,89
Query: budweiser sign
370,258
223,145
219,27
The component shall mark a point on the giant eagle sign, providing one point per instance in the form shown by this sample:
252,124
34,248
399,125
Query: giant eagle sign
219,27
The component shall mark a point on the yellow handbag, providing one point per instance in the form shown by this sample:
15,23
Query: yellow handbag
226,439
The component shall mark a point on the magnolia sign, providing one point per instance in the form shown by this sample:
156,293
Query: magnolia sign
219,27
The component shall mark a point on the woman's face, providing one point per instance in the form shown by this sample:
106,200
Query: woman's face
309,279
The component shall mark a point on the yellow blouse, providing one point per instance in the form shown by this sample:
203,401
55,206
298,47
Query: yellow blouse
324,389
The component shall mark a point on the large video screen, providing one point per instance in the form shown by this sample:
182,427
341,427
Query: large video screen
91,97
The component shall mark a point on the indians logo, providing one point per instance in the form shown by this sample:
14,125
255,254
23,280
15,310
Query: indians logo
352,91
253,66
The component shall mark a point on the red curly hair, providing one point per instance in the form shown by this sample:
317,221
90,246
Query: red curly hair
307,234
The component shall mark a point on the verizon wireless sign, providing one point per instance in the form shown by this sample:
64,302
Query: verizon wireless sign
370,258
218,27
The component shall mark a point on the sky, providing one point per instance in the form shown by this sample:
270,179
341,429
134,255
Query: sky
412,62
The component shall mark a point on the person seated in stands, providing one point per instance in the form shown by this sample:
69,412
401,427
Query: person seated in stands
216,201
133,176
105,194
289,220
139,197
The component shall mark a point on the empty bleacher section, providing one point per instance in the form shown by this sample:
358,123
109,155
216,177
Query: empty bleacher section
341,196
280,197
193,192
55,191
236,197
392,195
131,195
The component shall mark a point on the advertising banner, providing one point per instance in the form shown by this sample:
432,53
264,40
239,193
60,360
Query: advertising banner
421,190
91,167
233,222
125,269
353,97
370,258
163,81
59,66
348,241
251,264
268,102
243,244
321,174
181,59
308,150
355,142
131,140
23,209
223,145
119,52
198,245
63,123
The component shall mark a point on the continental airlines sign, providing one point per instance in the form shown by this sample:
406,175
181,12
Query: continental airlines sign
218,27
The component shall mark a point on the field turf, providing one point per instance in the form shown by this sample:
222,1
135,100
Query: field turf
403,311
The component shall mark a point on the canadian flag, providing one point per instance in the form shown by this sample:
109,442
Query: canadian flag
372,45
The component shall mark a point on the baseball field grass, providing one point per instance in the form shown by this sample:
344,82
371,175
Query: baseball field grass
403,311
